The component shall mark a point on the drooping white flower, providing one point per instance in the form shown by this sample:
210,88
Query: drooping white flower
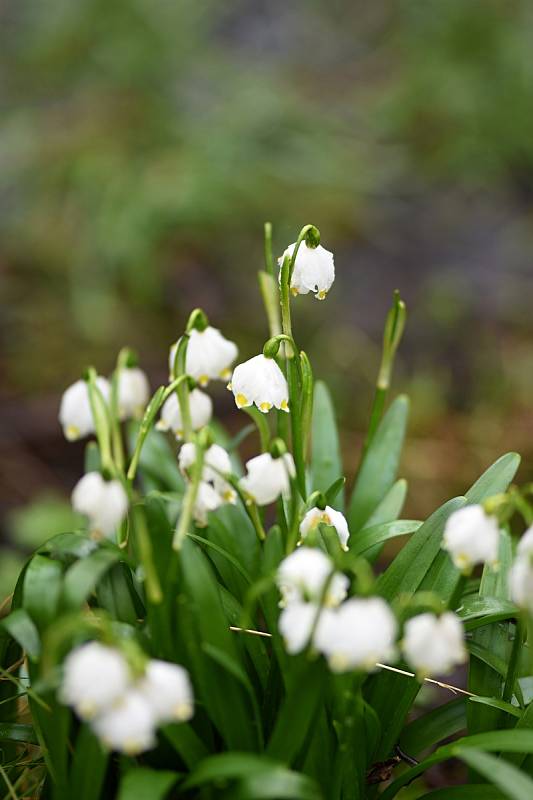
358,634
521,581
217,463
314,270
471,537
75,414
209,355
105,503
267,477
133,392
434,645
326,516
128,726
94,678
296,623
207,499
259,380
303,575
525,545
168,691
201,408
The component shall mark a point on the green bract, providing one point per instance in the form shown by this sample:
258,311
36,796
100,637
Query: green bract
191,576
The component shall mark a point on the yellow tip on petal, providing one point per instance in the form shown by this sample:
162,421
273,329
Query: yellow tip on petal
294,291
265,407
241,400
321,295
284,405
229,386
72,432
225,373
203,380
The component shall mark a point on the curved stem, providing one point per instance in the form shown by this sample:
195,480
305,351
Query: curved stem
102,423
189,500
182,389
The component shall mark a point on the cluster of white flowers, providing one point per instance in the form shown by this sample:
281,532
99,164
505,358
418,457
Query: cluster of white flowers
214,488
471,536
357,633
521,573
124,711
105,503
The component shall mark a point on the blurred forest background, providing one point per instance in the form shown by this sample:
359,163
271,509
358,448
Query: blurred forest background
143,143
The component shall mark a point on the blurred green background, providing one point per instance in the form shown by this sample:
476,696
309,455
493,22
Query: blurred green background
143,143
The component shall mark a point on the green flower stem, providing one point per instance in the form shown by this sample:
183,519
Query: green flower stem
269,260
160,396
458,592
261,423
307,399
270,294
101,419
514,661
144,543
249,506
116,433
182,389
189,499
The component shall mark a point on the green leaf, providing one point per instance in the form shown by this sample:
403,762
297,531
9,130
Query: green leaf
478,611
432,727
186,743
82,577
142,783
391,506
513,782
277,784
65,545
17,732
473,791
496,479
378,534
326,460
501,705
380,465
20,627
89,765
42,586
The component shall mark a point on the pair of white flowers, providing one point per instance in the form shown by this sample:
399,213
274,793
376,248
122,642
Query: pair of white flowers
75,413
357,633
122,709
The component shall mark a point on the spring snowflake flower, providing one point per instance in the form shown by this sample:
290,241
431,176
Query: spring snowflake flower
521,582
201,407
207,499
128,726
105,503
167,689
268,477
471,537
94,678
525,545
326,516
209,356
314,270
75,414
358,635
434,645
217,464
133,392
302,577
259,380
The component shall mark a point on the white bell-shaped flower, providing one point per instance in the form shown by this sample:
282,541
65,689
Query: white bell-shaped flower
167,689
434,645
296,624
326,516
94,678
133,392
471,537
302,577
259,380
209,356
267,477
217,464
521,582
207,499
129,726
314,270
201,407
525,545
75,414
358,635
105,503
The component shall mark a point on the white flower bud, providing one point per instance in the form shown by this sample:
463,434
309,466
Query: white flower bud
167,689
314,270
94,678
471,537
207,499
521,582
434,645
209,356
326,516
267,477
217,463
201,408
75,414
303,575
359,634
105,503
259,380
128,726
133,392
